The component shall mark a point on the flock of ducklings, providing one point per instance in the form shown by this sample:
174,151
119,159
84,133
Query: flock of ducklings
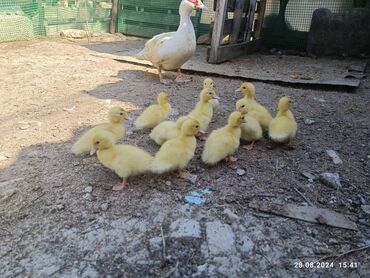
178,138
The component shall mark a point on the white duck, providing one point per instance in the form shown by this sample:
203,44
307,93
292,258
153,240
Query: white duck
169,51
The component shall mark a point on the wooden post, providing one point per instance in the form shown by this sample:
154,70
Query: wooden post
113,21
237,20
261,15
250,21
217,30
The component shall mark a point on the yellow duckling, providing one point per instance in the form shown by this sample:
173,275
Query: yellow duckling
256,110
208,83
203,111
224,141
124,160
283,127
154,114
252,130
115,126
167,130
176,153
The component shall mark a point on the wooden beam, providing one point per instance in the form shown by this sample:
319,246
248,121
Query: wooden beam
217,33
113,22
237,20
251,12
261,16
230,51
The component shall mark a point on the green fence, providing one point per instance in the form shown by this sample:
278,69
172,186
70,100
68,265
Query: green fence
148,18
29,19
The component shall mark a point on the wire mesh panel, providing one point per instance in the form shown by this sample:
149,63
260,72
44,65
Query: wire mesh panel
287,22
28,19
148,18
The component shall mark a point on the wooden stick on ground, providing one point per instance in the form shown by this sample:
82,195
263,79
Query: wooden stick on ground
304,197
344,254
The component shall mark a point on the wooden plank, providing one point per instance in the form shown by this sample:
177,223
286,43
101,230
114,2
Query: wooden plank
113,23
237,20
261,15
230,51
250,21
308,214
217,33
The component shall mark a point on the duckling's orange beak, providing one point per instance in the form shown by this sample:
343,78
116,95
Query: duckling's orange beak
216,97
238,90
92,151
202,132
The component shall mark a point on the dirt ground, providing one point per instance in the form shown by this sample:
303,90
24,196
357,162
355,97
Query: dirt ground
59,218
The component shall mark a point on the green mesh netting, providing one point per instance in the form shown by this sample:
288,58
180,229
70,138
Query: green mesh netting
287,22
28,19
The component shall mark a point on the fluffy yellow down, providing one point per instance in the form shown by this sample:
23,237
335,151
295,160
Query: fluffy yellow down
176,153
115,126
167,130
208,83
251,130
283,127
154,114
203,111
223,141
256,110
124,160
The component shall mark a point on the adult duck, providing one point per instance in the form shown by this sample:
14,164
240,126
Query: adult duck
169,51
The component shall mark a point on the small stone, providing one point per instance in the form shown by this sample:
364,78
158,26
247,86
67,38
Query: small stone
231,215
333,241
168,183
240,172
108,101
308,175
178,197
333,200
24,127
366,208
330,179
334,156
87,197
104,207
75,163
192,178
309,121
60,207
88,189
183,227
220,238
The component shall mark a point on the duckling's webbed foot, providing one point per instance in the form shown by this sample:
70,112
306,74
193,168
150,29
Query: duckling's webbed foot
120,186
180,78
290,145
183,174
249,147
231,159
